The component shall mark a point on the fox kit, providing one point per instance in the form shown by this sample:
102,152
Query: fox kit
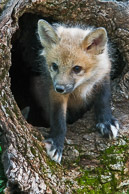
78,67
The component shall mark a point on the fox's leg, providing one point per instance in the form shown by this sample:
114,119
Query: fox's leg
106,123
55,142
38,101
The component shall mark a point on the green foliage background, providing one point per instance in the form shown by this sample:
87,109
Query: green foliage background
2,175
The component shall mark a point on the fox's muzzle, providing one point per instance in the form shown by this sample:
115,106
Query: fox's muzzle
64,89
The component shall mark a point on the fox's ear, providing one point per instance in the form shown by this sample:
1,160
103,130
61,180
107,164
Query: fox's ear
47,34
95,41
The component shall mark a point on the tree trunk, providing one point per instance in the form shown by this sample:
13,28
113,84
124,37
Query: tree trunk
90,162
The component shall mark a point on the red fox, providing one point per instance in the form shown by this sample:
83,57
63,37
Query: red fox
78,67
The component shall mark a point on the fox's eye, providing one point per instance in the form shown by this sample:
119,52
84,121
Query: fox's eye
54,66
77,69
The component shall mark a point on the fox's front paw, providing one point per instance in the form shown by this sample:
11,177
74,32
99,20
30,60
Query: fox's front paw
54,151
109,129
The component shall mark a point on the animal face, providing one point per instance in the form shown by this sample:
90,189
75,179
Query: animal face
73,55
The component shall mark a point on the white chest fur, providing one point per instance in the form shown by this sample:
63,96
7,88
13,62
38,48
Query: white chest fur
78,99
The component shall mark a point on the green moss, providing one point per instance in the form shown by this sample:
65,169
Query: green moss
103,179
38,136
39,147
53,165
33,151
93,184
88,181
68,182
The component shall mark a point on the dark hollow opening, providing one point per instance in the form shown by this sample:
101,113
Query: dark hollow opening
26,64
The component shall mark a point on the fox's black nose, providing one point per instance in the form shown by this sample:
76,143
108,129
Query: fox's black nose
60,88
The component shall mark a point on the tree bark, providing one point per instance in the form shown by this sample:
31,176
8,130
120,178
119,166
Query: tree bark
96,164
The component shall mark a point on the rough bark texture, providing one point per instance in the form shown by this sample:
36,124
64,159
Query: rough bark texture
90,162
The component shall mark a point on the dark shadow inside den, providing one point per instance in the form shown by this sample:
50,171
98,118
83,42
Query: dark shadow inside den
27,67
26,63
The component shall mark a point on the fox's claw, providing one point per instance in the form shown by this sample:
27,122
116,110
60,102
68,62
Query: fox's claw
53,151
108,129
